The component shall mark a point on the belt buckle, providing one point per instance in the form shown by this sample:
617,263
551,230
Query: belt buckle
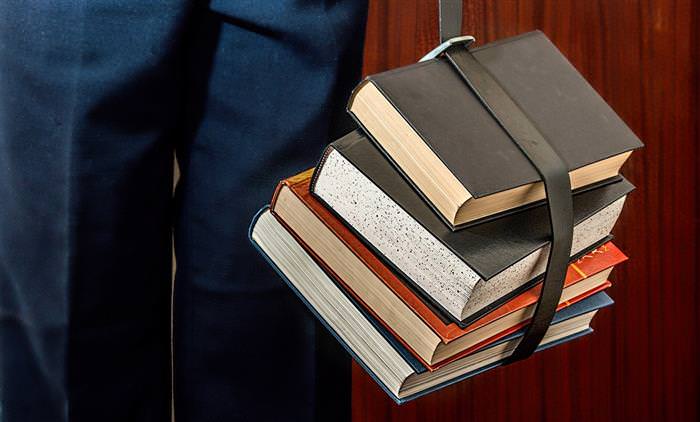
465,40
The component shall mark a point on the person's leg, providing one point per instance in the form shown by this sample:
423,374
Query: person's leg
88,99
278,77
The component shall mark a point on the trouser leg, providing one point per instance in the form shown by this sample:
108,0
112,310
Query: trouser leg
278,76
88,106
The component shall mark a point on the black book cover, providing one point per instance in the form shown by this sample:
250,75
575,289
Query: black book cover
441,108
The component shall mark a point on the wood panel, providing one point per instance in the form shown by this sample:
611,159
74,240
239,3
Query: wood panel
641,363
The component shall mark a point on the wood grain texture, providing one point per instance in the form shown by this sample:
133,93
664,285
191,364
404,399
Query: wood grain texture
642,361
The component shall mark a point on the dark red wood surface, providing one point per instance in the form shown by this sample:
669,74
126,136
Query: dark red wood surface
642,361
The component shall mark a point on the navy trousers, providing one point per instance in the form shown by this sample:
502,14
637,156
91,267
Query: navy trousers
96,96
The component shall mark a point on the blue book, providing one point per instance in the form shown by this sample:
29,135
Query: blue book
381,355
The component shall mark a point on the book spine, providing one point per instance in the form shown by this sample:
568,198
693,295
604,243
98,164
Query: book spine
605,255
319,166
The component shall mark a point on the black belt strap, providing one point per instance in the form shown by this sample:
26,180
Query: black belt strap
450,19
551,168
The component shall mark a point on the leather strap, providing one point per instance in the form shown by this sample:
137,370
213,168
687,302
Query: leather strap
450,19
549,165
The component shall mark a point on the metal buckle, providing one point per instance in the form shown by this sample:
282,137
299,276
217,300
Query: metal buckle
466,40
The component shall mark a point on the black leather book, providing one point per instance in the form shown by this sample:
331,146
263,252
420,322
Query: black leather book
429,123
464,271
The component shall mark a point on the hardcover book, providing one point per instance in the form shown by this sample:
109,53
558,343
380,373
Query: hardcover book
463,272
428,335
427,120
387,361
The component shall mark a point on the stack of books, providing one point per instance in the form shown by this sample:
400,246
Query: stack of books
420,240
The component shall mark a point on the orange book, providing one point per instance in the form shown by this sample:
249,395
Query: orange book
601,258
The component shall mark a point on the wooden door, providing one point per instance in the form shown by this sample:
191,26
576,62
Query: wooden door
642,361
